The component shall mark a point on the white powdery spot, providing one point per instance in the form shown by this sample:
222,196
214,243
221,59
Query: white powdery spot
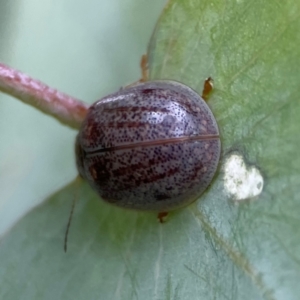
240,181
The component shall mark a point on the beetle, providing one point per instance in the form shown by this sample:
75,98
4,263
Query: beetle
153,146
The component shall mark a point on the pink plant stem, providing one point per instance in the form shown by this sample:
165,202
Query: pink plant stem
64,108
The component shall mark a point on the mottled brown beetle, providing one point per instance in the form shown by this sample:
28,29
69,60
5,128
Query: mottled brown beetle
153,146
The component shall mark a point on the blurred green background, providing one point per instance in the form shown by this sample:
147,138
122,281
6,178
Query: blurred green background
85,48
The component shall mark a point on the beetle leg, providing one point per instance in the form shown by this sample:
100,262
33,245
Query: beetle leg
145,67
207,88
162,216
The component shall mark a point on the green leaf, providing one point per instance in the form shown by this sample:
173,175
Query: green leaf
217,248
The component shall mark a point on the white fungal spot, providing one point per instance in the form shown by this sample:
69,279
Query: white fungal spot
241,181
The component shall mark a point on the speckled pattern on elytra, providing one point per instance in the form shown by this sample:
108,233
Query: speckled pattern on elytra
152,146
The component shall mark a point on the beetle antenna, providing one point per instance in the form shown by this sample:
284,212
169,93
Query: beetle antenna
70,216
69,224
